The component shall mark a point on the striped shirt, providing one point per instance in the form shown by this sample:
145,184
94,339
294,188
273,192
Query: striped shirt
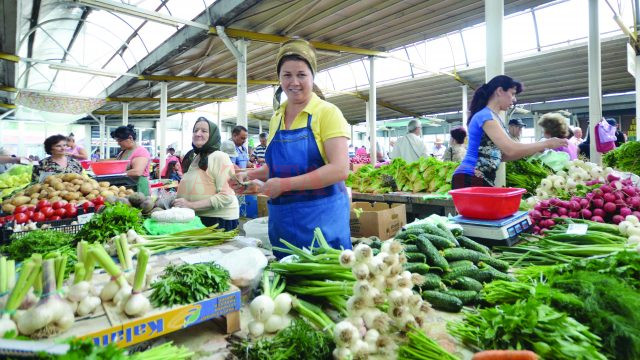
259,151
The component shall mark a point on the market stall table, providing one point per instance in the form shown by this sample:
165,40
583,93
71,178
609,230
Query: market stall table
417,205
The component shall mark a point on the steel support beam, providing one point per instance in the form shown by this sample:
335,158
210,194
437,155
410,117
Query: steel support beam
103,135
595,80
125,113
170,100
141,112
372,109
465,112
162,126
206,80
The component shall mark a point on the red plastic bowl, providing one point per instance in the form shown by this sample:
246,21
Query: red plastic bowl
86,164
109,167
487,203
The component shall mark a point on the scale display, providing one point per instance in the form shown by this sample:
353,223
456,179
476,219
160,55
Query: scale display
495,232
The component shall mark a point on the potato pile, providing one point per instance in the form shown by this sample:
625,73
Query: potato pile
73,188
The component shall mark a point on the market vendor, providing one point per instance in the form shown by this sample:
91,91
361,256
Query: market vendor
74,150
205,184
306,160
555,125
489,142
58,162
137,155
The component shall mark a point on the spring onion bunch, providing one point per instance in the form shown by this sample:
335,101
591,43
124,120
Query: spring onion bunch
209,236
270,310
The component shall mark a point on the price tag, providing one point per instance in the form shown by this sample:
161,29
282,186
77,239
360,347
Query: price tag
578,229
84,218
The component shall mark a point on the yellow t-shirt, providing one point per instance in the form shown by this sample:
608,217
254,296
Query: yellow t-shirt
327,122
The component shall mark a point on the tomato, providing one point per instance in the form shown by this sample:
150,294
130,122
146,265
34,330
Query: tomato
21,218
69,206
31,207
47,211
72,212
99,208
38,217
9,218
29,213
61,212
43,203
57,205
20,209
88,205
55,217
99,200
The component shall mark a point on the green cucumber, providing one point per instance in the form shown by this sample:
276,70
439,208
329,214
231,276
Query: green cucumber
462,254
467,243
498,264
412,231
410,248
432,282
460,271
434,258
439,242
466,283
495,273
418,268
459,263
466,296
415,257
442,301
448,233
482,275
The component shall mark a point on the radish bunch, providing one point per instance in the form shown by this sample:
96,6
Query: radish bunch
611,203
361,159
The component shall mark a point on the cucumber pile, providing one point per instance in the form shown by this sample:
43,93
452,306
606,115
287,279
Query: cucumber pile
455,267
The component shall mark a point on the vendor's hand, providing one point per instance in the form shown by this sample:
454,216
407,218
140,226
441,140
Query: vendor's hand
182,203
554,143
235,182
274,187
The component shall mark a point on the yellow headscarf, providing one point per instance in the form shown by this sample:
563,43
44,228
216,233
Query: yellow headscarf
303,49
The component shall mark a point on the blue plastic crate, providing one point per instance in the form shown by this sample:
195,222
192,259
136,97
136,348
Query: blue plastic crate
248,206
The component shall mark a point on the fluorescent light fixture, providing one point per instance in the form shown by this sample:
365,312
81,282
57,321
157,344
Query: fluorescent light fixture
83,70
140,13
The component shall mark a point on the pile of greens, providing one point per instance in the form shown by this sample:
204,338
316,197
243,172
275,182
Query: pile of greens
38,241
82,349
299,341
528,325
188,283
425,175
114,220
624,158
527,174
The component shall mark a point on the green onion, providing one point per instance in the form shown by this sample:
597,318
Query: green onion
421,347
3,275
79,273
141,269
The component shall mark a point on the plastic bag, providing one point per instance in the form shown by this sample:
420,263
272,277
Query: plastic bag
604,146
606,132
245,266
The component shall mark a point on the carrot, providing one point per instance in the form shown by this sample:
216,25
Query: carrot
505,355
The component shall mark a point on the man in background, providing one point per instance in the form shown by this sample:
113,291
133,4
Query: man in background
410,147
261,149
239,136
515,129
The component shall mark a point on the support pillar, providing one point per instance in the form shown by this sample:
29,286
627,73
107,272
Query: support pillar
163,126
465,106
103,141
494,16
595,80
241,44
372,109
125,113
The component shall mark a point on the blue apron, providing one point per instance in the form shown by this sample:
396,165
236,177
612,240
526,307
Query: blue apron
294,215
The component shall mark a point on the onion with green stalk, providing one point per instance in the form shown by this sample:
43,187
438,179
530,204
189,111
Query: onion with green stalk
28,272
136,304
118,286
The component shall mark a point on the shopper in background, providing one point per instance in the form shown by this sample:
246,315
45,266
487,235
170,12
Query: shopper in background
239,136
489,142
410,147
306,160
171,157
139,158
261,149
456,149
515,129
379,151
576,139
74,150
352,152
438,149
204,186
554,125
362,151
172,171
59,162
620,139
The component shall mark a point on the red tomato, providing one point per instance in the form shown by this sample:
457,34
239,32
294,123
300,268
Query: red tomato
21,218
73,212
88,205
38,217
20,209
29,213
57,205
99,200
99,208
69,206
61,212
9,218
47,211
31,207
43,203
55,217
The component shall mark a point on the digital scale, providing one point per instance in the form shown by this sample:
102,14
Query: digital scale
495,232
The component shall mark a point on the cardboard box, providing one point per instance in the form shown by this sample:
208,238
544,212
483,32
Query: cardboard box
377,219
263,210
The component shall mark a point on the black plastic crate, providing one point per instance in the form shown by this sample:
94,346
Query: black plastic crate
64,225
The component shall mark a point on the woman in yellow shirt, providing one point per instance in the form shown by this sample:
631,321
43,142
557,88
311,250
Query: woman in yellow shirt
306,159
204,186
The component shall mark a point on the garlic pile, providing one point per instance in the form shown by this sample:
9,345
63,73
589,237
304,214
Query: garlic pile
381,284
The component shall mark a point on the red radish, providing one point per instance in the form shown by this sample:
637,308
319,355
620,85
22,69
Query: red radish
612,178
536,215
573,214
565,204
599,212
598,203
584,203
554,202
609,197
597,193
586,213
625,211
606,189
536,229
619,195
617,219
636,214
546,213
620,202
634,202
553,216
589,196
597,219
574,205
562,211
609,207
549,223
627,182
630,190
564,216
544,204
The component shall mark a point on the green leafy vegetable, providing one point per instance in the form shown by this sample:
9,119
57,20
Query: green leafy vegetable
188,283
114,220
85,349
624,158
421,347
47,242
299,341
526,174
531,325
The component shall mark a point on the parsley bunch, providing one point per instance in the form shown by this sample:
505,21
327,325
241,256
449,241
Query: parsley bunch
114,220
188,283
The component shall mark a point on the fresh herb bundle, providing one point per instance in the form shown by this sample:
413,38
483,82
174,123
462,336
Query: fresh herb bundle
114,220
531,325
188,283
526,174
82,349
421,347
296,342
38,241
